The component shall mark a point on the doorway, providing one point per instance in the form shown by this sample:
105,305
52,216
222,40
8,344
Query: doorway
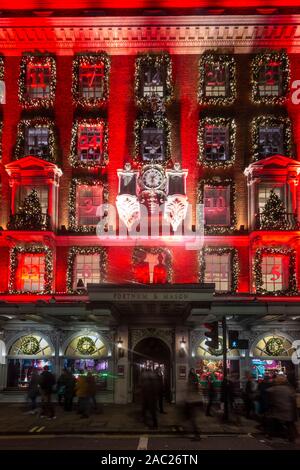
151,352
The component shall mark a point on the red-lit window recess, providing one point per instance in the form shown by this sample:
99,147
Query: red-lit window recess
92,81
90,143
151,269
88,199
275,269
217,205
218,271
38,78
30,274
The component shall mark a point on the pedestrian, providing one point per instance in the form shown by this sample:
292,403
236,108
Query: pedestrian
249,396
149,395
192,402
83,396
210,395
160,389
92,390
69,390
33,391
60,387
46,383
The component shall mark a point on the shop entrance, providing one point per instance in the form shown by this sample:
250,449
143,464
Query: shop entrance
153,353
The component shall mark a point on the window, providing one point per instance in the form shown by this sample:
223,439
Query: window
217,205
37,141
153,144
216,79
274,270
37,82
151,268
87,269
270,79
31,272
92,80
270,141
216,143
264,194
42,192
153,81
90,143
88,199
218,271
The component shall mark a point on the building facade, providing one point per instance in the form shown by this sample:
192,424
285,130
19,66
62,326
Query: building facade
105,113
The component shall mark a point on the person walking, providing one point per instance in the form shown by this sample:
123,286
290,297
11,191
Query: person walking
160,389
69,391
211,395
33,391
149,395
249,396
82,394
192,402
46,383
92,390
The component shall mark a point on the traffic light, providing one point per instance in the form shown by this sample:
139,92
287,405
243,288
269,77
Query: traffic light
212,335
233,339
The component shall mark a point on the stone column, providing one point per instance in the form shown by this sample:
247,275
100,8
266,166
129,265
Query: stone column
122,369
182,355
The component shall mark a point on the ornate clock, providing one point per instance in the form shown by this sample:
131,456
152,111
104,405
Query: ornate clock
153,178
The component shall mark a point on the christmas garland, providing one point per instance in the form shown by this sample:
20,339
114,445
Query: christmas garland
257,270
29,345
217,181
84,250
226,61
36,123
217,122
263,58
221,251
1,68
274,347
139,252
26,100
159,61
73,225
86,346
158,122
90,59
31,249
271,121
74,161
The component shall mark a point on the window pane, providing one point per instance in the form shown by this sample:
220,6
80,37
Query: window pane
216,143
88,199
38,81
218,271
90,143
87,269
217,205
270,79
270,141
153,144
153,81
216,79
273,275
264,194
31,272
37,141
42,192
91,80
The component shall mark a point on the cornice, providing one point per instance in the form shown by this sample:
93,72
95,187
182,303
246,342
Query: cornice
178,35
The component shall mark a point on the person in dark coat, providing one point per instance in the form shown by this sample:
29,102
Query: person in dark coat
149,395
160,389
33,390
47,382
193,402
69,391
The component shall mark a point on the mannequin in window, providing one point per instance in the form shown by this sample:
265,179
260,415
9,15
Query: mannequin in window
160,271
142,271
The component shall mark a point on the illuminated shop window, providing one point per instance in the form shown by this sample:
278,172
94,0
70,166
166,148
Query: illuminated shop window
274,272
216,143
270,141
38,78
31,272
264,194
218,271
273,345
87,269
217,205
90,143
153,81
216,79
88,199
270,77
88,345
42,192
32,345
152,267
153,148
91,80
37,141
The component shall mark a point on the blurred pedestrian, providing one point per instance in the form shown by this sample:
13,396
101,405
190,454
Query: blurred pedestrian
193,402
160,389
149,388
46,383
249,396
210,394
69,391
60,387
82,394
33,391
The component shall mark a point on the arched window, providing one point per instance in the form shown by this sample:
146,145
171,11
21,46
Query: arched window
31,345
273,345
89,345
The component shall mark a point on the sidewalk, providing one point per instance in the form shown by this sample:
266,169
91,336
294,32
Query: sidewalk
118,419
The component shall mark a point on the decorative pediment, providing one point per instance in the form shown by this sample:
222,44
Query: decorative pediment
273,163
33,165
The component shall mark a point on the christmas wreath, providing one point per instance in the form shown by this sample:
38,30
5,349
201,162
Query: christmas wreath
86,346
274,347
29,345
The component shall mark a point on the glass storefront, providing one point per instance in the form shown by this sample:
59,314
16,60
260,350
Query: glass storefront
19,371
98,367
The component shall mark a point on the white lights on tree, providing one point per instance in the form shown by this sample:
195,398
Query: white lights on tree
127,202
176,204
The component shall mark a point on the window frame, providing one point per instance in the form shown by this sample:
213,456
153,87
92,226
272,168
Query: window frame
229,62
271,121
233,263
230,125
74,160
35,102
83,250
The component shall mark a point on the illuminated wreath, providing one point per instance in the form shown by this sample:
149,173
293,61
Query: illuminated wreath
29,345
86,346
274,347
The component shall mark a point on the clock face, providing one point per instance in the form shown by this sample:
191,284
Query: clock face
152,178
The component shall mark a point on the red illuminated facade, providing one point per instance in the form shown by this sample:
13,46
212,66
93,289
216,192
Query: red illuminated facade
201,91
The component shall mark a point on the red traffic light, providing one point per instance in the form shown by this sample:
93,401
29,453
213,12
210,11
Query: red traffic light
212,335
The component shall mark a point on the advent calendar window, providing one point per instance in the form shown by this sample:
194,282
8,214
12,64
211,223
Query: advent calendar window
31,272
218,271
88,199
38,77
87,269
217,205
274,272
153,81
216,143
37,141
90,143
270,141
92,80
216,79
270,79
152,144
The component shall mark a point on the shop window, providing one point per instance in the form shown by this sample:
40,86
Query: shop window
88,345
270,141
88,199
37,141
38,78
216,143
92,80
275,272
270,78
272,345
218,271
153,144
264,194
90,143
216,79
42,192
217,205
31,272
151,268
87,270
